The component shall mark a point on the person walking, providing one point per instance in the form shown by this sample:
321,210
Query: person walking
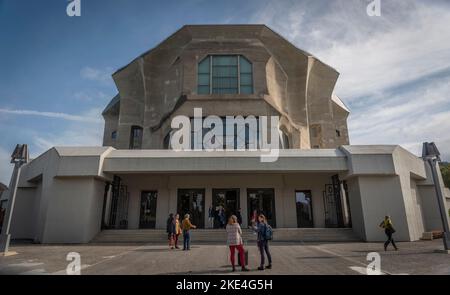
389,231
186,226
262,229
177,230
170,229
234,241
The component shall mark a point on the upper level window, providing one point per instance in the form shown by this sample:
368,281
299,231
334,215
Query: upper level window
225,74
136,137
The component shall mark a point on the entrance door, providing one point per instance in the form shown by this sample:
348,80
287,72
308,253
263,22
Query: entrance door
261,201
147,217
192,202
303,202
228,199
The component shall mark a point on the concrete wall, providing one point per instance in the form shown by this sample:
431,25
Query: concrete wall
74,212
355,207
381,196
24,214
430,208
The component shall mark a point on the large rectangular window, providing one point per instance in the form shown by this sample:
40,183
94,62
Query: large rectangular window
225,74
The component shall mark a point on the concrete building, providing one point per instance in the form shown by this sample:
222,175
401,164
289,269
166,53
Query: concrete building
3,192
69,194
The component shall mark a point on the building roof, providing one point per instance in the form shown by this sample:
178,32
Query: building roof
339,102
257,28
3,187
112,104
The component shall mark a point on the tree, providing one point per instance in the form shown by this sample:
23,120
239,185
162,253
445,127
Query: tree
445,170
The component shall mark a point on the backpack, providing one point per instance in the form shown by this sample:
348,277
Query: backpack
268,235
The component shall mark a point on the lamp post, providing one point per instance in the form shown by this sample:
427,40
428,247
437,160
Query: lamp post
18,158
431,154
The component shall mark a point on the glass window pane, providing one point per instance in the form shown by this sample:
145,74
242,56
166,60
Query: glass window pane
203,89
246,79
224,60
203,79
204,76
245,65
246,76
225,75
225,71
203,66
246,89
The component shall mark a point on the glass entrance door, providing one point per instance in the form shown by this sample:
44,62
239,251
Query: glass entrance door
261,201
303,202
147,217
228,200
192,201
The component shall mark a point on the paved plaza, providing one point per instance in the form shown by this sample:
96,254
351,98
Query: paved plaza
302,259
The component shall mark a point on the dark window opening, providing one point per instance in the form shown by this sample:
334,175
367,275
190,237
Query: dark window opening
136,137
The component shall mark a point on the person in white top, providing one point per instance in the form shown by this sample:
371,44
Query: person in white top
234,241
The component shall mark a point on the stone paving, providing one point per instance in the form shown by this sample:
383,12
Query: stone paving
324,258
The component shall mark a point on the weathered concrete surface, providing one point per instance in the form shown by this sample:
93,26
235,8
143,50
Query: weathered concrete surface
287,81
304,259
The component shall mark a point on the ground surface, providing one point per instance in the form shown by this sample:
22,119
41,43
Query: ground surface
330,258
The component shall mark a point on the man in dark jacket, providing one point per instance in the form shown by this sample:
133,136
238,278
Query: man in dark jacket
239,216
171,230
389,231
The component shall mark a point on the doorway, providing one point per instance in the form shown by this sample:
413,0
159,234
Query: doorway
192,202
228,199
147,218
261,201
303,201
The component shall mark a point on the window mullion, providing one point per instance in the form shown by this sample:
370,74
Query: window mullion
239,74
210,74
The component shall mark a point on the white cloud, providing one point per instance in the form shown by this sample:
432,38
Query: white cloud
410,118
89,96
85,129
372,53
87,133
385,63
63,116
94,74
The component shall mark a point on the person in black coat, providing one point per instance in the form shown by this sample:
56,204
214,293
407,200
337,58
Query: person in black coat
171,230
239,216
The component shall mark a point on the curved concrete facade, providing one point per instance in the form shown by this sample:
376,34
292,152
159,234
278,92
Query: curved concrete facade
287,82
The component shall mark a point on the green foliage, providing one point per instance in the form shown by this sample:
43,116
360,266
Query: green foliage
445,170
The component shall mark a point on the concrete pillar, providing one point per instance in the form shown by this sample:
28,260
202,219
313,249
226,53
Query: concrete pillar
243,205
344,207
208,203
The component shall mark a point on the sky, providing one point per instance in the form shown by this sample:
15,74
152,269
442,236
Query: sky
55,70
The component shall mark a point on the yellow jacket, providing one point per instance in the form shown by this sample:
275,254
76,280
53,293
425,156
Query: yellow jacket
186,224
177,227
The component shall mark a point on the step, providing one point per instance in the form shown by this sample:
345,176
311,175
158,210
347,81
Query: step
219,236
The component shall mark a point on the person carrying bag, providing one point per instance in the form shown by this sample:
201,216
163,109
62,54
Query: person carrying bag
234,241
